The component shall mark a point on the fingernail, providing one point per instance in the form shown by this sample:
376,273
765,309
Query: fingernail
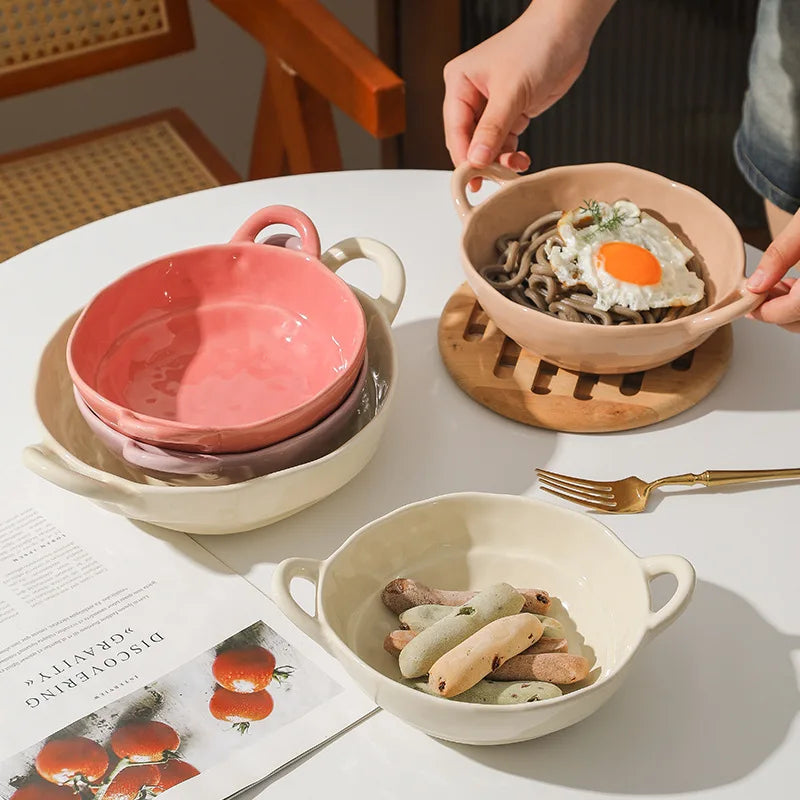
479,155
756,280
519,163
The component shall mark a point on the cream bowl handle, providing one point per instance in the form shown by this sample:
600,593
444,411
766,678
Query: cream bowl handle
285,573
41,460
684,573
393,275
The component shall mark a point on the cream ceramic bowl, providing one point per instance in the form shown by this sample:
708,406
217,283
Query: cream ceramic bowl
600,349
71,457
469,541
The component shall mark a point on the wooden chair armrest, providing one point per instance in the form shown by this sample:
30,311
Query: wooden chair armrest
327,56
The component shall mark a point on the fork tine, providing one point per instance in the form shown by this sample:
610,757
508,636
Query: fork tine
579,490
568,479
581,501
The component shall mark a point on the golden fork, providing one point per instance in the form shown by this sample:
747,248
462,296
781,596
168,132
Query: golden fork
629,495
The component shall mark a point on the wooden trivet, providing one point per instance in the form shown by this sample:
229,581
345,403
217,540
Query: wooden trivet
493,370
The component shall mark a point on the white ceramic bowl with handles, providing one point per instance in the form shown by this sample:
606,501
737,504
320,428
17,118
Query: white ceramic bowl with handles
600,592
71,457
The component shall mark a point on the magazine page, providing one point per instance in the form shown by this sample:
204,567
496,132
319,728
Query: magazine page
133,663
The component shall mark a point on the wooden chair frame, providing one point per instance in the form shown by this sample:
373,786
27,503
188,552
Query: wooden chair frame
313,61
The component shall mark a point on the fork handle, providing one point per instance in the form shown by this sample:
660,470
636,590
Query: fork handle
722,477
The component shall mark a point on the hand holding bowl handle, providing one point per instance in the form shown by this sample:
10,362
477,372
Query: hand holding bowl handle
781,295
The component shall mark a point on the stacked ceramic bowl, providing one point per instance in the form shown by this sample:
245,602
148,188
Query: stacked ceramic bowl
225,363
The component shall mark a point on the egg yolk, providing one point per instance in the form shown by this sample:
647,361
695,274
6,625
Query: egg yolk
629,262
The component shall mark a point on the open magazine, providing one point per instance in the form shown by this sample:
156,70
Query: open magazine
133,664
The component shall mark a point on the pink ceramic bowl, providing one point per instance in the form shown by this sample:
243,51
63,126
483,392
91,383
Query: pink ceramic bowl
223,468
600,349
221,349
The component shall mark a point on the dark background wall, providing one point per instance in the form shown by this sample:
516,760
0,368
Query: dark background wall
662,90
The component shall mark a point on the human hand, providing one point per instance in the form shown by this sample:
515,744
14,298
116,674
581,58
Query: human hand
782,306
493,90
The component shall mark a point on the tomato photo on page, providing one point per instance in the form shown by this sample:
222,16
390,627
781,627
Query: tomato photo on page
182,726
247,669
174,772
131,782
143,742
62,761
240,709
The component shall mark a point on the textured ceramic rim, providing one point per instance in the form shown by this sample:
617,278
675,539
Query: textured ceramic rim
309,254
52,461
202,463
708,319
649,566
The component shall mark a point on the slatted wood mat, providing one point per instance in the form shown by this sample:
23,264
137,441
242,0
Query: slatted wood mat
497,373
55,191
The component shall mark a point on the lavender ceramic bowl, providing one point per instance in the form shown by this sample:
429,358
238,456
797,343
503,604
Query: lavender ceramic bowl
174,466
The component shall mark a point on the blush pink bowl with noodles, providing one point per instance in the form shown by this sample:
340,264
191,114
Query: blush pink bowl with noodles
224,348
602,349
217,469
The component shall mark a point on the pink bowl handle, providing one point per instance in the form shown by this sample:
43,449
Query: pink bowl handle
706,321
464,173
285,215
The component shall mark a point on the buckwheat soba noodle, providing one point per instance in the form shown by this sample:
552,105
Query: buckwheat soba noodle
524,273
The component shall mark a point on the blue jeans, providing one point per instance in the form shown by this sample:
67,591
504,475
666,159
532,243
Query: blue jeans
767,144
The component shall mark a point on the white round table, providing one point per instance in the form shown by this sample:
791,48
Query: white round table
710,707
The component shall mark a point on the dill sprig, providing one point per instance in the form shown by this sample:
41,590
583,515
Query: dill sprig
592,207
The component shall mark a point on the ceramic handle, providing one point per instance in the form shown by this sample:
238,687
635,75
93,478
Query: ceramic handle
707,321
285,215
285,573
684,573
41,460
393,283
464,173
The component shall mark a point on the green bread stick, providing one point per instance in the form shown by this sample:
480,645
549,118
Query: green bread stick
497,693
420,654
419,618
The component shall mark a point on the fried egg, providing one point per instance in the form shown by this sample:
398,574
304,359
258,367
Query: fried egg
625,257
